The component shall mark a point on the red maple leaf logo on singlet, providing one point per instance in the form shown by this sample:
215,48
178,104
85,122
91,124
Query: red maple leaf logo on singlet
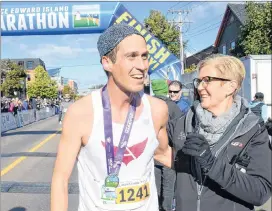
131,153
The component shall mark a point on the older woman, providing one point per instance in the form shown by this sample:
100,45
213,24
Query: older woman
223,161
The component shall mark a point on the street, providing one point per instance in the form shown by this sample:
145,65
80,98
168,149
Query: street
27,159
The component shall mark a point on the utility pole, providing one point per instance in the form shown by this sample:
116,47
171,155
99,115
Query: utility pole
180,22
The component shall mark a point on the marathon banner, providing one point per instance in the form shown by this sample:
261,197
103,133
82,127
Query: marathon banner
43,18
55,18
163,64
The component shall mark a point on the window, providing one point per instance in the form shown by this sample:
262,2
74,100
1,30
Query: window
29,65
232,45
21,63
224,49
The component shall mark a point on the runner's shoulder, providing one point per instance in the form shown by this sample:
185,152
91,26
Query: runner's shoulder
158,106
80,108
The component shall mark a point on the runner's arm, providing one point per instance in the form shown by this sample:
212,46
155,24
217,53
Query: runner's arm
163,153
68,149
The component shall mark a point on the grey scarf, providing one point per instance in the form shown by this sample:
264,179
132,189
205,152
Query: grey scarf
212,128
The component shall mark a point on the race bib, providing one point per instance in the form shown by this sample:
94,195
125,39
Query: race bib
125,194
132,194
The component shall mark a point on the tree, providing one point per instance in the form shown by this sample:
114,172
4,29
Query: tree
256,34
77,97
5,67
43,85
67,90
14,78
190,69
167,33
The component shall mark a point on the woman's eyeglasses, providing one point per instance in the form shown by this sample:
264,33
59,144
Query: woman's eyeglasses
206,80
175,92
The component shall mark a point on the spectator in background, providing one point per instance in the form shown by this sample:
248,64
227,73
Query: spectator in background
16,106
33,103
175,93
25,104
11,105
165,177
20,105
258,107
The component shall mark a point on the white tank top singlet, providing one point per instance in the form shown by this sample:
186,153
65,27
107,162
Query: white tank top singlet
136,190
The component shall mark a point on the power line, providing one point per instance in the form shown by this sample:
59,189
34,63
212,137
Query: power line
204,31
179,3
209,21
194,34
199,31
201,3
193,53
180,24
176,5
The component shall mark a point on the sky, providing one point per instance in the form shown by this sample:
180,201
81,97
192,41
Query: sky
77,54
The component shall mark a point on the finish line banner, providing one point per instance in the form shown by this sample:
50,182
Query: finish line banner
163,64
55,18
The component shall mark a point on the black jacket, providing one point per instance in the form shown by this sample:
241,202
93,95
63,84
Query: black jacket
174,113
227,187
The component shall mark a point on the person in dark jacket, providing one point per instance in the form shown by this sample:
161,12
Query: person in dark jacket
258,106
222,160
165,177
268,126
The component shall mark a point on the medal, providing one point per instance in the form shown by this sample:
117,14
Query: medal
112,181
108,190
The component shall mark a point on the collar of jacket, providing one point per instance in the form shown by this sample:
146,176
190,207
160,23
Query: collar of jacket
245,120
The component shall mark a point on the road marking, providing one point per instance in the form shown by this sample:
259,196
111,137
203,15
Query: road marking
33,187
33,149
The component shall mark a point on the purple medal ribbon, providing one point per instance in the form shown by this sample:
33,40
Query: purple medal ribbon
114,164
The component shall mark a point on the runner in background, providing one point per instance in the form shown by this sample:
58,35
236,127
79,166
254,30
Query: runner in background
63,106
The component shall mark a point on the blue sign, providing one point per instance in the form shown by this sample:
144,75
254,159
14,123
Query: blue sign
44,18
41,18
163,64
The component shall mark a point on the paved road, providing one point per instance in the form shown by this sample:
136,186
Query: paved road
27,159
26,186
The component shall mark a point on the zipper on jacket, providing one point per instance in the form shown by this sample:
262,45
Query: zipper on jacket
198,197
199,191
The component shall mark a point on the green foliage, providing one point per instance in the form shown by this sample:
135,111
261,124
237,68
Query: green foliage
256,34
68,92
78,97
164,31
14,78
190,69
43,85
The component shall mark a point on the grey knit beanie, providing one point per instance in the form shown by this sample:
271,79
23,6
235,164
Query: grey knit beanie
112,36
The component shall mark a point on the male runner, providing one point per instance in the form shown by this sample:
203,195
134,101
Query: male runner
114,133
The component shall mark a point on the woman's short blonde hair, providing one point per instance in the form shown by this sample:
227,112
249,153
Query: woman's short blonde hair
228,67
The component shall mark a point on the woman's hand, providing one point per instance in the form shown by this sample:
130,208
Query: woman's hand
197,146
